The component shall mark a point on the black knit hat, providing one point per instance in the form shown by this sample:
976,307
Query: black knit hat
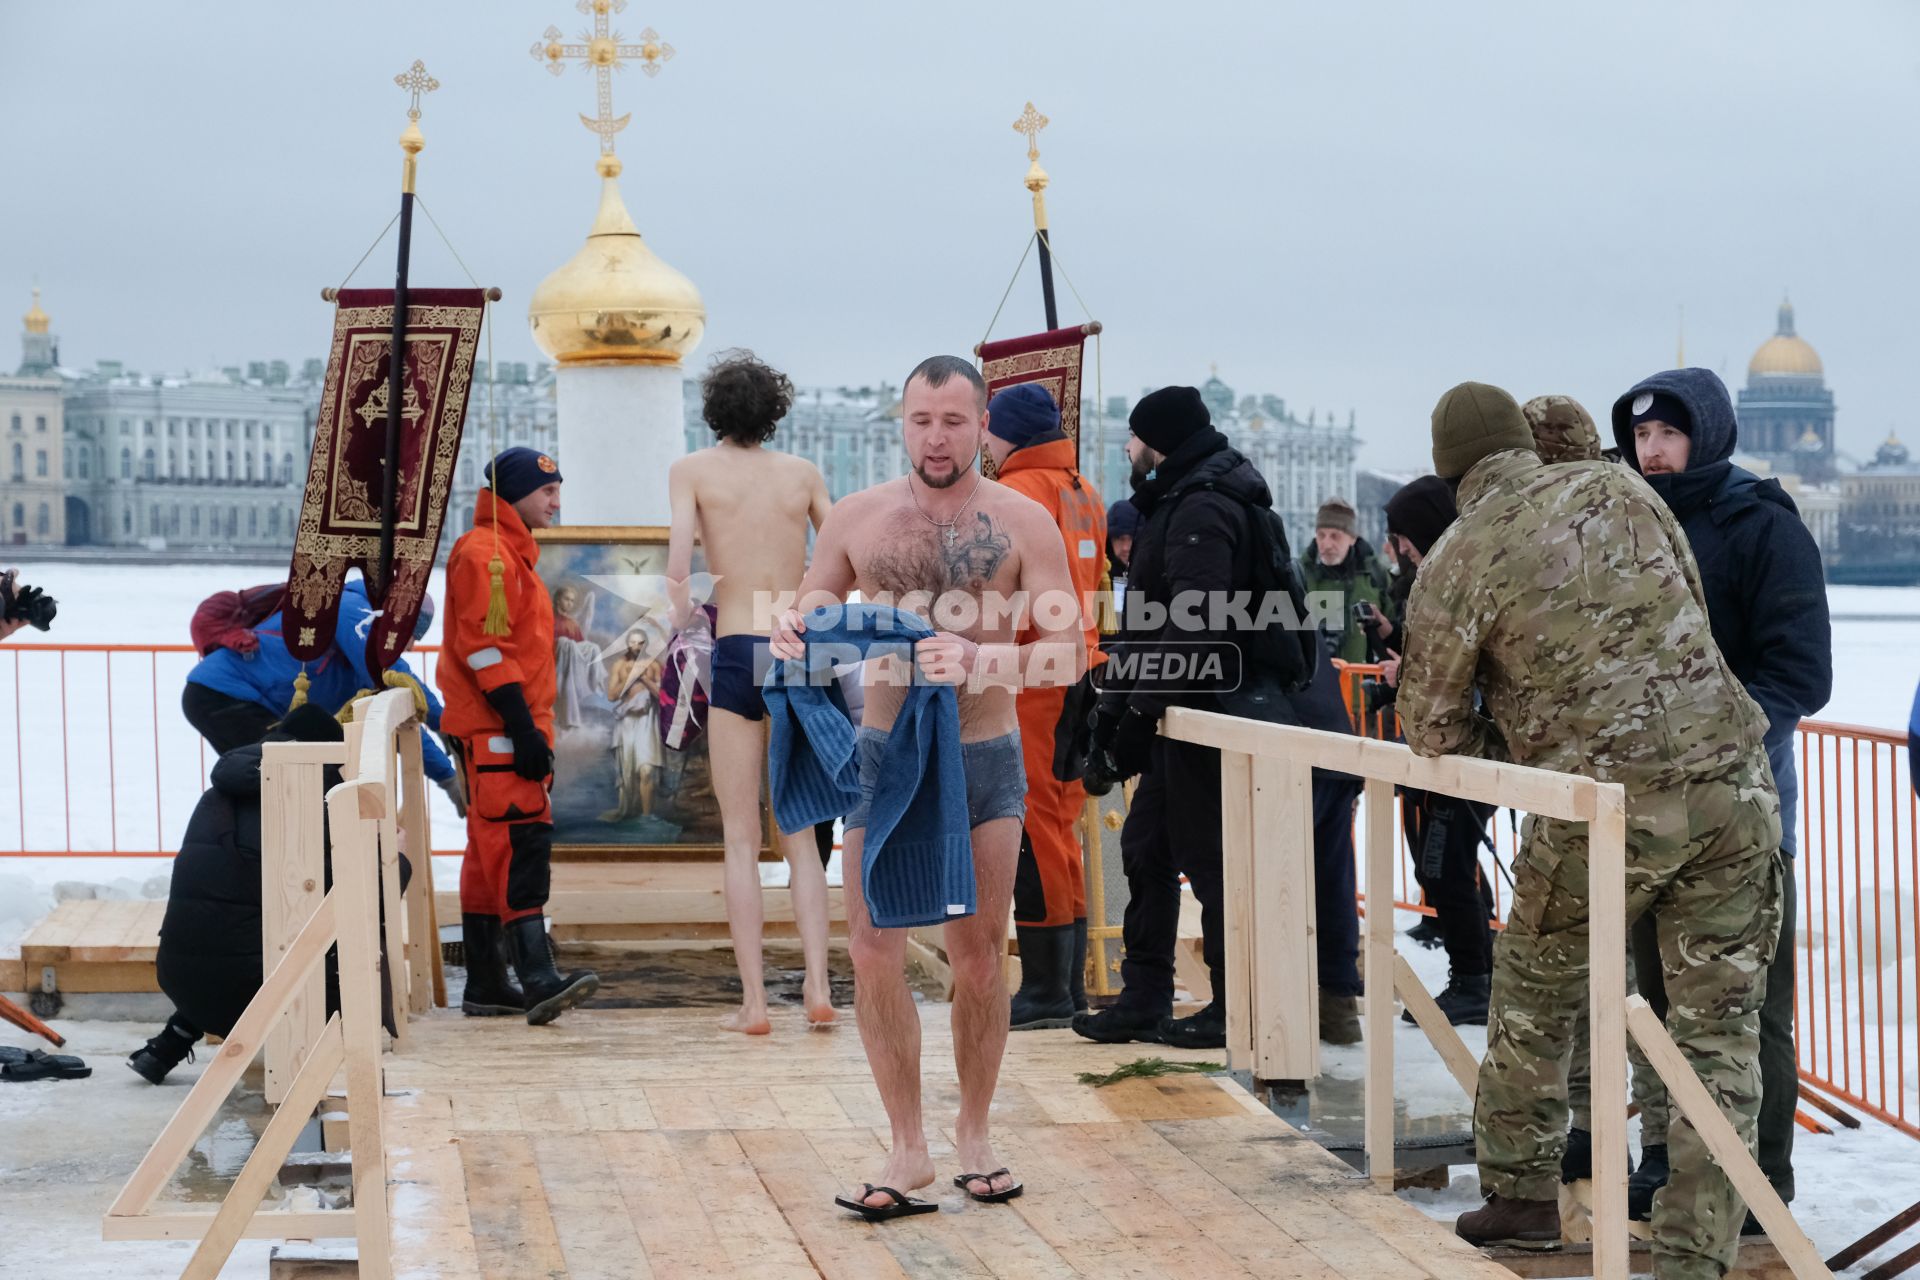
1420,512
1660,406
1166,419
518,471
308,722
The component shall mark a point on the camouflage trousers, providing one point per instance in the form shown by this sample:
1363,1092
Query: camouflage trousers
1703,852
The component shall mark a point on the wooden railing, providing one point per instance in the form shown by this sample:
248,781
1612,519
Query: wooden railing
380,797
1266,780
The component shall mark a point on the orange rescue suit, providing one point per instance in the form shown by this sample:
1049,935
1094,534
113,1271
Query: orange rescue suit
1053,890
508,865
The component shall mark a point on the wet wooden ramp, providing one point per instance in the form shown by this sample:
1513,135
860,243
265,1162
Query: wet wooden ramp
634,1143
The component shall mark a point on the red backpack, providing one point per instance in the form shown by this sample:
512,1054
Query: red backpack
226,619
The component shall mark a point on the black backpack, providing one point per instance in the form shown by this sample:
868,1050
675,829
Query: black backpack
1285,654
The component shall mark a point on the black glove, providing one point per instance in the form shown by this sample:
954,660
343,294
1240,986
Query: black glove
1133,741
532,757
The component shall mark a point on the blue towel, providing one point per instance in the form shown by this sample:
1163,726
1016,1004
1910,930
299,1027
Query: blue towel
916,865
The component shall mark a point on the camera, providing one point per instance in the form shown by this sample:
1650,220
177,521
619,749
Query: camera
26,604
1364,613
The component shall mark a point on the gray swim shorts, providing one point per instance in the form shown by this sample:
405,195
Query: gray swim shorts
996,777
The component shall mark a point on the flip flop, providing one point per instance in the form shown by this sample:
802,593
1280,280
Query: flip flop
989,1197
40,1065
902,1207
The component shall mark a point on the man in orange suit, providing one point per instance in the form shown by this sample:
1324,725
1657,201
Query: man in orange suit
497,675
1031,454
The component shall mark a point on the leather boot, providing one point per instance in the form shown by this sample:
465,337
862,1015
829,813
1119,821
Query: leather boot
1077,980
1515,1224
1046,956
1206,1029
1118,1024
165,1051
490,991
1647,1179
549,993
1577,1162
1339,1018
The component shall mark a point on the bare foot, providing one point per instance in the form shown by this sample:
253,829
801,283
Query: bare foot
819,1005
905,1171
748,1022
977,1158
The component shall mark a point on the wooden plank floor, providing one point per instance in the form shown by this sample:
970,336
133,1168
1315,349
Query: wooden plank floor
635,1143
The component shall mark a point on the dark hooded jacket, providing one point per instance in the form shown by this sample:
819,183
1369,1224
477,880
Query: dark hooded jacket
1766,590
1194,537
208,962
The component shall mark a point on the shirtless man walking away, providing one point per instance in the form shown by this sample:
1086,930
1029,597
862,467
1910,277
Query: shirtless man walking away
749,507
955,548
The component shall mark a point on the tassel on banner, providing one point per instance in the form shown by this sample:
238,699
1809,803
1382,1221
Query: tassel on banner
300,684
498,622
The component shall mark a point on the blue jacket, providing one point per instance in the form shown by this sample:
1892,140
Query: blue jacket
916,865
1766,589
341,672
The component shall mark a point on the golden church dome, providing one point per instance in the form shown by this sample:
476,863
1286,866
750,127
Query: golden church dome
36,320
615,301
1786,354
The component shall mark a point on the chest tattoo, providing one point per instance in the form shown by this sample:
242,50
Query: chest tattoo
914,559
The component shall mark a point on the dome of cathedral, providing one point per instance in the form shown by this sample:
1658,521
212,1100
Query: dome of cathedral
615,301
1786,354
36,320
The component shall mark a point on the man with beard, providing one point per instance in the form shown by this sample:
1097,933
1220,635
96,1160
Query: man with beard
1559,623
1767,605
1198,496
966,555
1341,563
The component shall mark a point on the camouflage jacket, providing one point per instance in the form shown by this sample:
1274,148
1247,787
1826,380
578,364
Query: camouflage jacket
1566,596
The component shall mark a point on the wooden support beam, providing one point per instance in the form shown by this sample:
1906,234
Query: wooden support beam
1378,1109
292,882
243,1199
1452,1049
1607,968
1729,1151
314,1224
1237,888
1285,987
1538,791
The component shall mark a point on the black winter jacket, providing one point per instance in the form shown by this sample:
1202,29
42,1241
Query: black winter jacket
213,905
1766,589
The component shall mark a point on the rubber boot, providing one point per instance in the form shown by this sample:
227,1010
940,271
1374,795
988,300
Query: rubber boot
1515,1224
490,991
549,993
1077,980
1046,956
165,1051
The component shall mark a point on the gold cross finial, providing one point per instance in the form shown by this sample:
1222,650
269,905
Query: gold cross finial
604,50
416,81
1031,122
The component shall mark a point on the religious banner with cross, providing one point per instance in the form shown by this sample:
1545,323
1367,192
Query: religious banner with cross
1052,359
340,519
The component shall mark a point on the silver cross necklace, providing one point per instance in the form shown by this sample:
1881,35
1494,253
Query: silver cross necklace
948,525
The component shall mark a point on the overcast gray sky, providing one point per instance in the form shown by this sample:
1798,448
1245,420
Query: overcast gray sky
1350,205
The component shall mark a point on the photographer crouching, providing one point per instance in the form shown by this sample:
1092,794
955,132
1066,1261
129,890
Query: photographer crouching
1209,534
1444,833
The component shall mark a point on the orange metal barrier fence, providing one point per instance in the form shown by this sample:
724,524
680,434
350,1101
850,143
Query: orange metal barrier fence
100,761
1858,936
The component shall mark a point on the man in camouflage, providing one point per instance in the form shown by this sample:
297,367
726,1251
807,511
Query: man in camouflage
1565,595
1563,430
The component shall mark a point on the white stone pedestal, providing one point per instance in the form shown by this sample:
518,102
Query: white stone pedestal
620,427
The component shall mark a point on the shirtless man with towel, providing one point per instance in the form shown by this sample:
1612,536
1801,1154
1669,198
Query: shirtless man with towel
965,554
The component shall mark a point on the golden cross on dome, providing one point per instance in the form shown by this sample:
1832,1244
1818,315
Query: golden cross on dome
1031,122
603,49
416,81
